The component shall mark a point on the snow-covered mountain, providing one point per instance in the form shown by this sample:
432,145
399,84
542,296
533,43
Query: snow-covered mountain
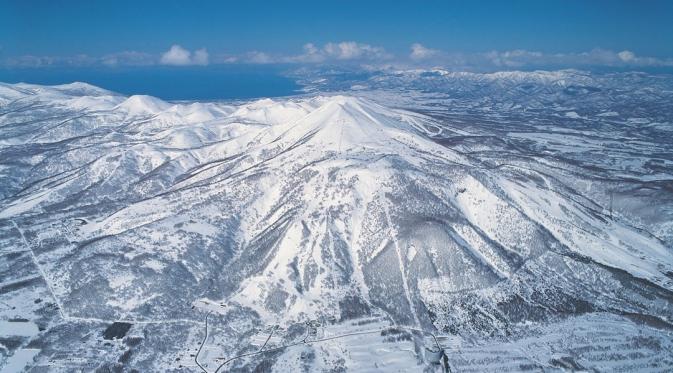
303,222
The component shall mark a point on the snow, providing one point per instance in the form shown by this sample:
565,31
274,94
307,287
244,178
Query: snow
121,281
279,211
573,115
411,253
17,328
616,245
24,205
20,360
496,217
143,105
271,112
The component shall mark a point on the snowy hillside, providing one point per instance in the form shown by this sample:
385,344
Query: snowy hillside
476,212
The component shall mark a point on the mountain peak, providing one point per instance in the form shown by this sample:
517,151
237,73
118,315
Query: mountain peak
143,104
344,122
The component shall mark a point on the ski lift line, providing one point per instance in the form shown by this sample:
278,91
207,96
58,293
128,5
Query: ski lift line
267,339
67,317
39,268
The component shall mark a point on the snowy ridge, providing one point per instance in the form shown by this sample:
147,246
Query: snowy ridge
275,212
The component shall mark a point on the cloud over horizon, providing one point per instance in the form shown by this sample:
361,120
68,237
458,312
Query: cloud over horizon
344,52
420,52
520,58
179,56
356,53
128,58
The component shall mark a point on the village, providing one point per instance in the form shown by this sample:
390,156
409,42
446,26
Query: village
376,334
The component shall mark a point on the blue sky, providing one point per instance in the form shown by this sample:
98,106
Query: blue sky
508,34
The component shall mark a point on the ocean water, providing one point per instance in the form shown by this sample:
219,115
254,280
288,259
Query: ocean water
169,83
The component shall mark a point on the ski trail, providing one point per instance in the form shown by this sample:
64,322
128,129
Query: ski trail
405,284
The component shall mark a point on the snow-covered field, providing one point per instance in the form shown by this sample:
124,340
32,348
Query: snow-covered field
517,221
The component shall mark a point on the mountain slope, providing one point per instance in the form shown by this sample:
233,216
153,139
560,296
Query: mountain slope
326,207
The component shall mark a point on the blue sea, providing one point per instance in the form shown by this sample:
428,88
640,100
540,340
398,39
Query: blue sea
221,82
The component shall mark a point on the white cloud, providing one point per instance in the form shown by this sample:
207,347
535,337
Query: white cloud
626,56
43,61
230,59
128,58
259,57
200,57
519,58
419,52
179,56
342,51
349,50
514,58
364,55
311,55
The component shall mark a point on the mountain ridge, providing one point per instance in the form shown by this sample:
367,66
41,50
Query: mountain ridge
274,212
